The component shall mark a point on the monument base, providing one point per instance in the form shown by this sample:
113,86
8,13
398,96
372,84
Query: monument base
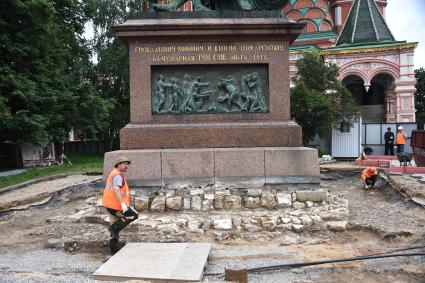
211,135
243,167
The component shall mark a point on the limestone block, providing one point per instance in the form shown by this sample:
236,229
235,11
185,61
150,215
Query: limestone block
174,203
317,195
298,205
284,200
223,224
158,204
251,227
232,202
218,201
337,226
141,203
196,203
252,202
298,228
268,200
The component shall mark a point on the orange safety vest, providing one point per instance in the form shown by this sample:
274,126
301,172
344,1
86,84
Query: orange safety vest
365,175
109,200
400,138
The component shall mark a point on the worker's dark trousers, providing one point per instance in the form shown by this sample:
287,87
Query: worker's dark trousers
389,148
121,220
371,181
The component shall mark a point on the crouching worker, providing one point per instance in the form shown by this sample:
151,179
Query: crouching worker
116,199
368,177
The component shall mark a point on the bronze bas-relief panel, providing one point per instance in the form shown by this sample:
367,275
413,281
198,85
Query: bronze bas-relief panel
200,89
144,56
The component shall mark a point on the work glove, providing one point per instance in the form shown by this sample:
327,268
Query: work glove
124,207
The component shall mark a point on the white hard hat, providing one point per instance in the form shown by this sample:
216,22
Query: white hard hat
400,128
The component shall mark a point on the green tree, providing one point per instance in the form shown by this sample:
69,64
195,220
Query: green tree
420,95
319,101
41,57
112,69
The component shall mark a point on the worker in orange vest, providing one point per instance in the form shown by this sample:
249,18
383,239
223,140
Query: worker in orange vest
368,177
401,139
116,200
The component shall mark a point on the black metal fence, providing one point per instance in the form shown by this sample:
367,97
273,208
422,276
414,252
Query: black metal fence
84,147
10,156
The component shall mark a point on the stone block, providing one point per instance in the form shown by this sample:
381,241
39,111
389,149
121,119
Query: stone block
196,203
223,224
239,164
174,203
298,228
194,166
254,193
317,195
252,202
268,200
291,165
251,227
284,200
158,204
218,201
186,203
232,202
207,205
335,214
298,205
141,203
337,226
306,221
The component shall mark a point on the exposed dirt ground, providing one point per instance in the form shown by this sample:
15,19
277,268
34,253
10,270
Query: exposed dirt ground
380,221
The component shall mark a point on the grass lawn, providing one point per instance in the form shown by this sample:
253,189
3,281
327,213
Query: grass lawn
80,163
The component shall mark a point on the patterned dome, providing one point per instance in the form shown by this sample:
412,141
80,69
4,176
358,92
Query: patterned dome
315,13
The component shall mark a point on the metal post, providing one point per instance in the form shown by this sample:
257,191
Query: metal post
236,273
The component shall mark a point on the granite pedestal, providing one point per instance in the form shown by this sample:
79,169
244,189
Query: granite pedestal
219,137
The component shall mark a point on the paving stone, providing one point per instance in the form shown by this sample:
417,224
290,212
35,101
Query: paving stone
306,221
298,228
55,244
286,220
196,203
141,203
158,204
176,262
196,192
232,202
252,202
186,203
338,226
298,205
207,205
209,196
168,228
223,224
335,214
268,200
254,193
174,203
218,201
284,200
317,195
251,227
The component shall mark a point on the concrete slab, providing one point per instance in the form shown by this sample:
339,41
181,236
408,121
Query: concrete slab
156,262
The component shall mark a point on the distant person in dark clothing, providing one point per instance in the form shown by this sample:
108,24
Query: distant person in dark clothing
389,142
